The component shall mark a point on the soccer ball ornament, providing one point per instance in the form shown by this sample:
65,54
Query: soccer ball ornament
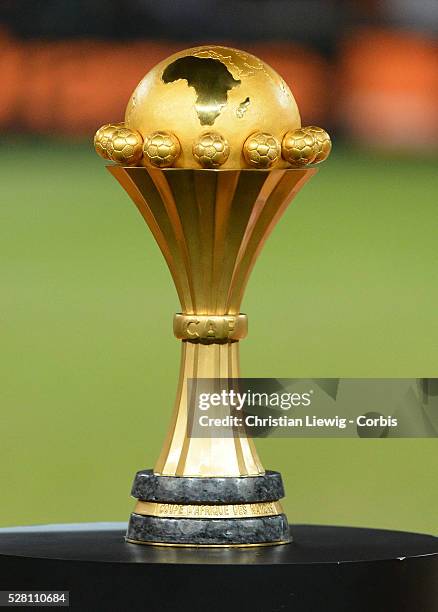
305,146
211,150
261,150
124,146
161,149
212,107
324,144
299,147
103,136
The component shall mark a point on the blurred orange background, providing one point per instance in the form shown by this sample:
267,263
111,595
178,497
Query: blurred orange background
379,88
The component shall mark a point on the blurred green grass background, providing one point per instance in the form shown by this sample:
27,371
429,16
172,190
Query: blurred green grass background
89,364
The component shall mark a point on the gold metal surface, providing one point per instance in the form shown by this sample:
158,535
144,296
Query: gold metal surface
308,145
161,149
210,328
209,510
213,88
165,544
248,107
211,150
261,150
210,226
323,141
125,146
103,137
299,147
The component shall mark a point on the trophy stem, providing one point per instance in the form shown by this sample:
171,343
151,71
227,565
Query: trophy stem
184,455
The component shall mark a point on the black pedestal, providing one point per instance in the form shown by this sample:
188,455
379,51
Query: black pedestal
325,569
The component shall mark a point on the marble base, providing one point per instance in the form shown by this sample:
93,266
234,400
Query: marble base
188,490
208,532
268,528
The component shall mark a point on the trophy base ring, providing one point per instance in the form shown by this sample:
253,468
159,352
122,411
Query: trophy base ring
208,531
152,487
128,541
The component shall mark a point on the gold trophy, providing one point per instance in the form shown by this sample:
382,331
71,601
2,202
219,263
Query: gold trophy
211,152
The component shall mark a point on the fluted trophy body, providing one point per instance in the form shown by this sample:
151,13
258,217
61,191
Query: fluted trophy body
210,226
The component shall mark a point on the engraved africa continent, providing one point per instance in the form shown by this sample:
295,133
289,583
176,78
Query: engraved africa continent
210,79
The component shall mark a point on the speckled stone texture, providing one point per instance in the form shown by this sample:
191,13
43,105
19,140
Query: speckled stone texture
208,490
260,530
190,490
